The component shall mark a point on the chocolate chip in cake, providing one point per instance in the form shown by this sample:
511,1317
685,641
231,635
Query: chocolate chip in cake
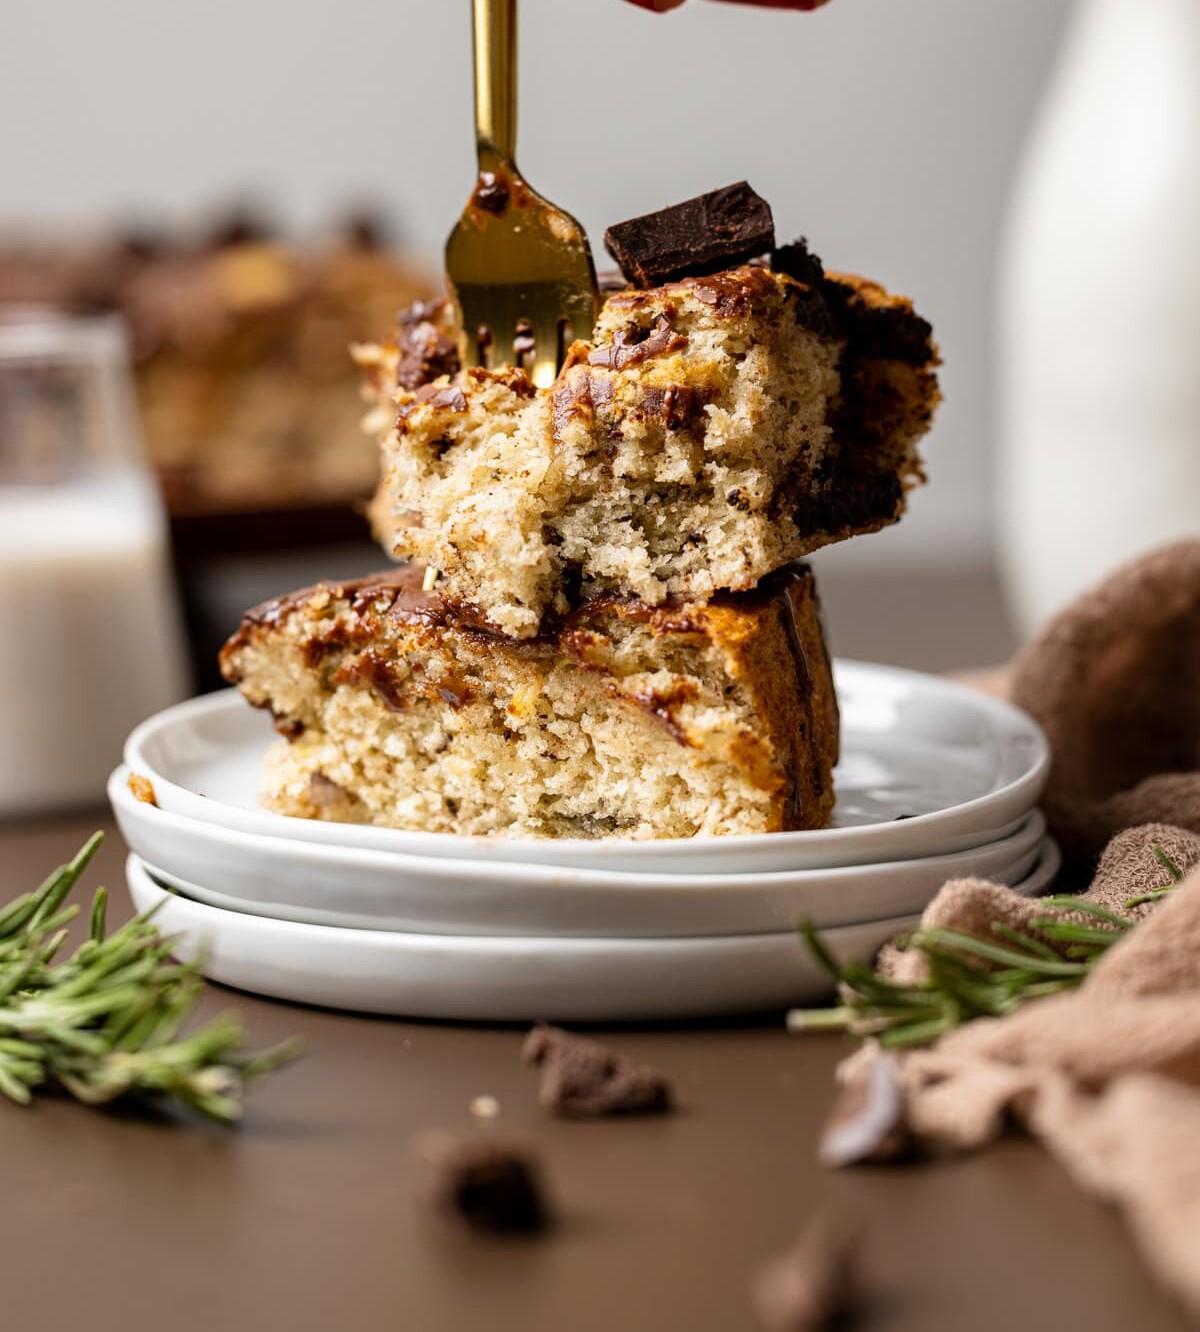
799,262
704,235
888,330
426,350
581,1079
483,1184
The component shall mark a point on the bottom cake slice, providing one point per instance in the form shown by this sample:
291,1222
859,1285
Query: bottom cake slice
624,720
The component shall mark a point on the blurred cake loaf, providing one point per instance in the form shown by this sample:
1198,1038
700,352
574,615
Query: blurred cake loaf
248,398
620,719
715,428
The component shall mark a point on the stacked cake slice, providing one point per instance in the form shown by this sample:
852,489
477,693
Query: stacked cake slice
603,631
624,720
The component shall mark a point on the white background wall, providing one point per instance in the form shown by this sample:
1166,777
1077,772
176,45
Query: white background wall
886,130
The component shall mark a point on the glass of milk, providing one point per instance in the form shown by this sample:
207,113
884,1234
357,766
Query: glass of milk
90,632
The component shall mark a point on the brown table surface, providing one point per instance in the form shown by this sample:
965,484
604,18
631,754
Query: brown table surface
304,1218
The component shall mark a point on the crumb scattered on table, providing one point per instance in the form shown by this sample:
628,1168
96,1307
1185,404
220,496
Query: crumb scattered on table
582,1078
484,1184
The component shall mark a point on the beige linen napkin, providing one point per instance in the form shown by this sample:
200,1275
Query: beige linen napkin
1107,1077
1115,682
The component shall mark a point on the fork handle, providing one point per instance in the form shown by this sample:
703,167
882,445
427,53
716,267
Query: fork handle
495,31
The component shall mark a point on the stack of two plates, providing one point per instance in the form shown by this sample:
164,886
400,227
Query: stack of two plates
936,782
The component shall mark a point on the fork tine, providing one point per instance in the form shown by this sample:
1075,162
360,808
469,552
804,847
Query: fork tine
478,339
546,311
547,349
513,256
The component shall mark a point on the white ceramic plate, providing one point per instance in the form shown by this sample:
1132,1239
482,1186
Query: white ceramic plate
501,980
346,886
928,767
1044,865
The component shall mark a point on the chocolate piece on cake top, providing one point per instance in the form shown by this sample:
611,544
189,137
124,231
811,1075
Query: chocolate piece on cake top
703,235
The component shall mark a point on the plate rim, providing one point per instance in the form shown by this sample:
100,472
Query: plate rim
552,875
518,944
1047,860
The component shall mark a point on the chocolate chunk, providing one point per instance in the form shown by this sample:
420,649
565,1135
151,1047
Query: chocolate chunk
291,728
449,398
812,1285
868,1121
452,398
679,406
892,332
581,1079
704,235
634,344
483,1184
491,193
799,262
323,792
426,352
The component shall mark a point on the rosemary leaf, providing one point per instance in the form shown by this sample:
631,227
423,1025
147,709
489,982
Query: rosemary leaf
971,977
105,1023
1167,863
919,1033
1023,941
969,944
99,915
1065,902
1156,896
1068,931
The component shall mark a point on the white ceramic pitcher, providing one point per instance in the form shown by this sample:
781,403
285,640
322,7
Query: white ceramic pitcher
1099,391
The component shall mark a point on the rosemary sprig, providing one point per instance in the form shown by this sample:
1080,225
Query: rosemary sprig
104,1023
971,977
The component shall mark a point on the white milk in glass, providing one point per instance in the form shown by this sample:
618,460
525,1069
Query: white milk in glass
89,635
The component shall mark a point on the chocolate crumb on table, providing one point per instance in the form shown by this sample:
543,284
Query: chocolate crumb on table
484,1184
813,1284
581,1079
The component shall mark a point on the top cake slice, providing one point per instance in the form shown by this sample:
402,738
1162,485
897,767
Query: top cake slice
715,429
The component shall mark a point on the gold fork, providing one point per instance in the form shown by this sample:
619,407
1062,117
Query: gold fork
520,269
